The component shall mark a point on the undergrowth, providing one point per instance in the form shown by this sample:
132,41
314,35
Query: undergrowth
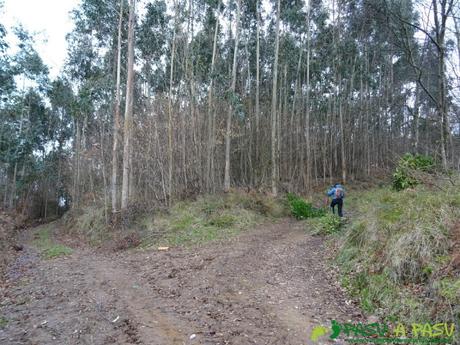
326,225
302,209
409,167
89,223
49,249
317,220
396,254
208,218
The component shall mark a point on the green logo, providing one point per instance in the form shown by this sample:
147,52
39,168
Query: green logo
415,333
317,332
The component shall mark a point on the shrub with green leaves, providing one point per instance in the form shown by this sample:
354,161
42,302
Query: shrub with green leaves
403,176
330,223
301,209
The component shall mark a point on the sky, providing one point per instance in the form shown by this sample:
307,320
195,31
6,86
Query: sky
50,19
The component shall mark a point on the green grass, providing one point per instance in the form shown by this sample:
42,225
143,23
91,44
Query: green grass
49,249
3,322
393,252
56,250
327,224
210,218
449,288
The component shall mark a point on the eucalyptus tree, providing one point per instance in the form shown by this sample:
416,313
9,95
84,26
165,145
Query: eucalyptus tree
116,114
279,95
29,69
228,131
128,121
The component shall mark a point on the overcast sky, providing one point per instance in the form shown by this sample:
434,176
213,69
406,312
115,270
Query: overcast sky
50,19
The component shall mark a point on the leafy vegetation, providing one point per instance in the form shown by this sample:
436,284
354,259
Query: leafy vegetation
208,218
329,224
301,209
48,248
397,250
404,176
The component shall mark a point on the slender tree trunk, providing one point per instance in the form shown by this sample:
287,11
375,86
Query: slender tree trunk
116,116
274,178
170,124
342,144
104,179
292,127
211,135
129,108
257,149
440,29
416,119
76,178
307,168
230,110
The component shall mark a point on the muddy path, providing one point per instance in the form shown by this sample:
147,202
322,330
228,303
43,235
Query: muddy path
269,285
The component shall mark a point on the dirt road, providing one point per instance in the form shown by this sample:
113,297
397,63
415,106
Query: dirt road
267,286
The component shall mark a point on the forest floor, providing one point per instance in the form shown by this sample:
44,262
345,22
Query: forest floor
268,285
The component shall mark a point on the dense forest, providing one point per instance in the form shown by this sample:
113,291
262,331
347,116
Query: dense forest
161,100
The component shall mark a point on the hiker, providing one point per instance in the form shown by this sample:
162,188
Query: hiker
337,193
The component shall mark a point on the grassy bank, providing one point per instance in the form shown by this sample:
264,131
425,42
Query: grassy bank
399,255
208,218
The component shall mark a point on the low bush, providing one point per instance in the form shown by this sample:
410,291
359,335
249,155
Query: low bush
326,225
405,175
301,209
330,224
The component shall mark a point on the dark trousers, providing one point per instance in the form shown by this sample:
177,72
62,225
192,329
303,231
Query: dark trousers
339,203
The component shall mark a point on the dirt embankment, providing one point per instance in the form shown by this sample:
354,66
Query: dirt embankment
270,285
9,225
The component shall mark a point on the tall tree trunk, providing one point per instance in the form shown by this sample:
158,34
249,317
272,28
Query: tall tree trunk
116,116
307,168
342,144
416,119
292,127
170,124
129,108
104,179
440,29
76,177
211,135
257,148
274,178
230,110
